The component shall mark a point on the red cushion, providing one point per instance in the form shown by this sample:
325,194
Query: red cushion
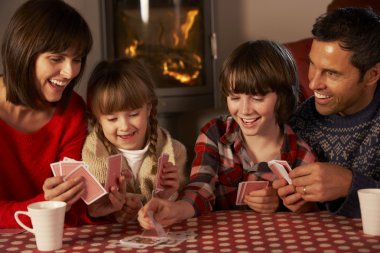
300,51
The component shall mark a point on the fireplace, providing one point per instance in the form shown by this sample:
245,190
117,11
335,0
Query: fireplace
174,38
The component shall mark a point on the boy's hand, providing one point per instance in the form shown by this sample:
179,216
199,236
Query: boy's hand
263,201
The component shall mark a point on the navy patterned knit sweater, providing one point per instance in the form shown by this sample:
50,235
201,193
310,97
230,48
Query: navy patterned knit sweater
350,141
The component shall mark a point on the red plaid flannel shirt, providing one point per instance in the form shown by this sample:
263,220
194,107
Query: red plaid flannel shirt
221,162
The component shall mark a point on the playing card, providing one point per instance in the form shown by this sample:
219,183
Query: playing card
157,226
69,166
164,158
246,187
171,242
68,159
140,242
182,235
56,168
114,166
93,189
281,169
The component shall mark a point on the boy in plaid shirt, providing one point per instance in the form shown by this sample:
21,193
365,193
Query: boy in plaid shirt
260,83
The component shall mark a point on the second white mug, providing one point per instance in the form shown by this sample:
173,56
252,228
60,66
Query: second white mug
370,210
48,221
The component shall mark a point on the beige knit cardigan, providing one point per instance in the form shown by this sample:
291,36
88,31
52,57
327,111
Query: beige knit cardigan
95,155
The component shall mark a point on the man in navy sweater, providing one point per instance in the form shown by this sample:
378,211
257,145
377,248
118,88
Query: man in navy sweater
341,122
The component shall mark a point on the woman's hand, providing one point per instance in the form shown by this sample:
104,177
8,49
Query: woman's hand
70,191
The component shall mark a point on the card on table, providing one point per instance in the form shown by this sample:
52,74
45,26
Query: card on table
182,235
281,169
140,242
93,189
157,236
114,166
248,186
164,158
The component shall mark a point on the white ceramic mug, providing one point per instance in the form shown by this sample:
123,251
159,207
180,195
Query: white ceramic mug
47,220
370,209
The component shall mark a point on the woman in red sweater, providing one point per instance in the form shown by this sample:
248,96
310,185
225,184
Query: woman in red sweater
42,120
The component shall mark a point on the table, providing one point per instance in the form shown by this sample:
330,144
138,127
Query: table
224,231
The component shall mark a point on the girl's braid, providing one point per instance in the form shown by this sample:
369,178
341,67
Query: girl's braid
153,134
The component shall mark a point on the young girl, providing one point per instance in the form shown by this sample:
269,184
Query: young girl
42,120
123,111
260,83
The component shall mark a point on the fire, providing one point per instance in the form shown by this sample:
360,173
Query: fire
183,78
172,68
177,68
132,49
180,64
186,27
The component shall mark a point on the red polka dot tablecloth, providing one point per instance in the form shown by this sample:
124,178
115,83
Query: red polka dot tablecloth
227,231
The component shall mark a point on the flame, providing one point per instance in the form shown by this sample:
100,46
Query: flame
177,68
181,68
172,68
175,39
132,49
185,28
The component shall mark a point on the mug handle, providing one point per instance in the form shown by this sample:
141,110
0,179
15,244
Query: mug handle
20,222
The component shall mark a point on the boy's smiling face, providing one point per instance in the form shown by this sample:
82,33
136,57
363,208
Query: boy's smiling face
254,113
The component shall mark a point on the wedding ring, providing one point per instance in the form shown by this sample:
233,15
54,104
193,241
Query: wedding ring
304,190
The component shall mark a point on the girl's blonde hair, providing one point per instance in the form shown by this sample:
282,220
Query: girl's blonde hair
120,85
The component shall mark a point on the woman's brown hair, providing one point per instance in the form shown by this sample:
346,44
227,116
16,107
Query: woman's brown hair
40,26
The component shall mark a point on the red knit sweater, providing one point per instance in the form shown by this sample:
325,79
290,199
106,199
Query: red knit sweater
25,161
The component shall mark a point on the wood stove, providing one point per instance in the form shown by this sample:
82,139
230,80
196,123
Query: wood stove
174,38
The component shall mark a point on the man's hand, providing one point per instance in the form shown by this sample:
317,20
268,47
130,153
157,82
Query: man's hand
292,199
319,182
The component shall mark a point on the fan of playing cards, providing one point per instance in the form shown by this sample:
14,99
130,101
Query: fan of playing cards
70,168
280,168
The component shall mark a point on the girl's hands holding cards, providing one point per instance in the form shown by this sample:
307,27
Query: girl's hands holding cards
263,201
110,203
165,212
129,211
169,180
70,191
